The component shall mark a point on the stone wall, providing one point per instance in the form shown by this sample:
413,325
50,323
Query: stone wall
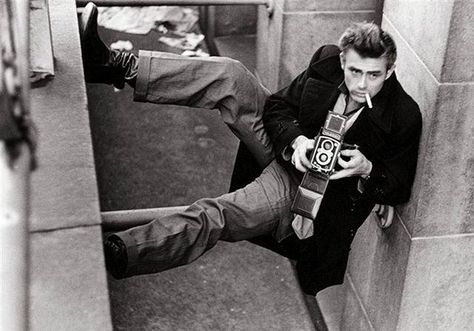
287,40
417,274
235,20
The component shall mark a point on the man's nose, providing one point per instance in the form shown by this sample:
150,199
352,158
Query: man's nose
363,82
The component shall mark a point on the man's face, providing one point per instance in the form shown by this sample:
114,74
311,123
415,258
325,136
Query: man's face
364,74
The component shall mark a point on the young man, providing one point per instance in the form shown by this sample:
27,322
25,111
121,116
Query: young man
356,79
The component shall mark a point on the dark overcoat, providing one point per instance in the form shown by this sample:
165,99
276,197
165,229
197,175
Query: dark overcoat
388,135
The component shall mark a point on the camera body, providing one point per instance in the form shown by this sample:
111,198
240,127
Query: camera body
323,160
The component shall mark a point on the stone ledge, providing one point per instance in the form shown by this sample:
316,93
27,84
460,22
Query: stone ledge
68,289
67,283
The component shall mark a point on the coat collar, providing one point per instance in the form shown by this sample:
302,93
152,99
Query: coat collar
329,69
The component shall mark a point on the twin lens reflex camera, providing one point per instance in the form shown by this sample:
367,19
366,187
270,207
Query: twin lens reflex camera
323,161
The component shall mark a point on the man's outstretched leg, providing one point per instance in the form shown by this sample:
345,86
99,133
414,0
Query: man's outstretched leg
260,208
211,83
101,64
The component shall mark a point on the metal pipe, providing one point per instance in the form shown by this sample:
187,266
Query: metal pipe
125,219
142,3
136,3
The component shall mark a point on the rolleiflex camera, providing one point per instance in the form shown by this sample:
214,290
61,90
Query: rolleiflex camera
323,161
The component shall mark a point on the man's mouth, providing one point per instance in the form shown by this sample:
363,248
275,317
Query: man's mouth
359,94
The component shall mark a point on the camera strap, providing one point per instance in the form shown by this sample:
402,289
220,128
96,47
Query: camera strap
340,107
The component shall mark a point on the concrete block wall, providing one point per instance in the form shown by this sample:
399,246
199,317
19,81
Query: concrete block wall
287,40
417,275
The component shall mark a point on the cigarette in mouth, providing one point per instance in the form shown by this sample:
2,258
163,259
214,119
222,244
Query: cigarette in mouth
369,102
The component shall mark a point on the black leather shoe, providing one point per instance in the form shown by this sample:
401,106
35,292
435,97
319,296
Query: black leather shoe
115,254
101,64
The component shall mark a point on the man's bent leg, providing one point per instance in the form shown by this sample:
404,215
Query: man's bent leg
211,83
262,207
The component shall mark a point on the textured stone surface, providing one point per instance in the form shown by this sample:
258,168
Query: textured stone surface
64,197
439,288
362,257
441,201
377,270
229,20
287,40
446,201
331,302
67,284
423,87
424,27
241,47
68,289
305,32
64,186
355,318
269,34
441,33
459,60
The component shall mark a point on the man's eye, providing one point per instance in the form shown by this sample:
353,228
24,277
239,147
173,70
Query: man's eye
374,76
355,72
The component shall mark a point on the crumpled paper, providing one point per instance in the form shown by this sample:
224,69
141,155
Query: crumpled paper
122,45
175,23
189,42
197,53
141,20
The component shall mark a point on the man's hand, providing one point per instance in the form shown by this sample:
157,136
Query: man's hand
358,165
301,146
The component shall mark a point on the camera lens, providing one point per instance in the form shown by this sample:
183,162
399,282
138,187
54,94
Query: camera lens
327,145
323,158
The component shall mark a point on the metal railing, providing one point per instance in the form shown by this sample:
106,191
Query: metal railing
269,4
124,219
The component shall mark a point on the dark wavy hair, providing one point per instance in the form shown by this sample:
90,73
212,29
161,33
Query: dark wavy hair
369,40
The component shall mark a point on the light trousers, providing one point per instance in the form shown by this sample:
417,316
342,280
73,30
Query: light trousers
260,208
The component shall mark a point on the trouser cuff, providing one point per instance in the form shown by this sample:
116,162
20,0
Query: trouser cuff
132,253
143,76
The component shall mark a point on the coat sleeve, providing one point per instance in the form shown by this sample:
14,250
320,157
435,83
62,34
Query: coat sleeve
393,172
281,109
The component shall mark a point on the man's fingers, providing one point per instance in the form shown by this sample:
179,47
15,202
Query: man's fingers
340,174
298,165
350,152
304,161
342,163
